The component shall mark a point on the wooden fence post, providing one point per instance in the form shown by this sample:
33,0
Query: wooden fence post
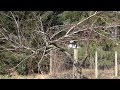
51,61
96,65
75,54
76,59
116,67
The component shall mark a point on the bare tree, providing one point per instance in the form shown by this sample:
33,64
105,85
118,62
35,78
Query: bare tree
50,42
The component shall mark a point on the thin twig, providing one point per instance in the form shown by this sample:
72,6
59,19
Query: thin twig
24,60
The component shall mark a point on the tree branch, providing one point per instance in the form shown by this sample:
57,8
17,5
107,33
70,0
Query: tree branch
41,60
18,28
81,22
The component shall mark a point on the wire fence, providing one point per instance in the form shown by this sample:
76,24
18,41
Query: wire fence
104,65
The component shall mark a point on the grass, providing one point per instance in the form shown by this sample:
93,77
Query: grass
24,77
102,74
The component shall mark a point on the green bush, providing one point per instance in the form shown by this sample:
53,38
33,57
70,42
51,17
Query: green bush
9,60
105,64
105,59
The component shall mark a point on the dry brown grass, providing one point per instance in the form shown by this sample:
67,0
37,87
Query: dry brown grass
102,74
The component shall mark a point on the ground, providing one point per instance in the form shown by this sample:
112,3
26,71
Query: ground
89,73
